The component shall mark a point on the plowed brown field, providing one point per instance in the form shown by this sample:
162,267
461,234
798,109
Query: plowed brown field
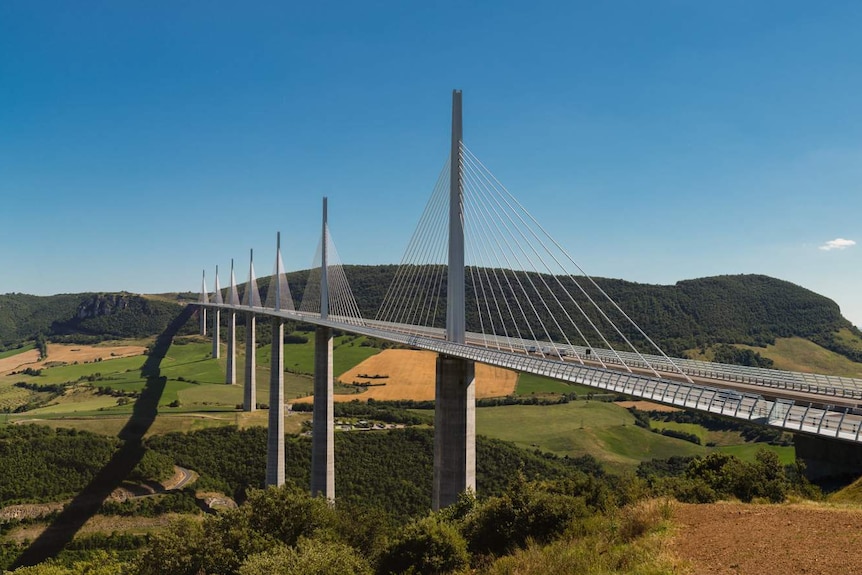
739,539
410,375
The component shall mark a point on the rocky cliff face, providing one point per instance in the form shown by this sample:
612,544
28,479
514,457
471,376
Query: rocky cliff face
103,304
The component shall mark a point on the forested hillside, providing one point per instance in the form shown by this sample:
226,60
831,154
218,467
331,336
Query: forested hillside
744,309
82,317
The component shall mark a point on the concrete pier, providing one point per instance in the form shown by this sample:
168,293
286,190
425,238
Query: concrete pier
827,458
230,372
216,333
454,430
275,434
203,317
249,392
323,440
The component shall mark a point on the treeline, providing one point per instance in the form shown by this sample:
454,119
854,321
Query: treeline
744,309
719,476
749,431
377,411
396,411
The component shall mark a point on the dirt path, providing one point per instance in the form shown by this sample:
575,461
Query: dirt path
738,539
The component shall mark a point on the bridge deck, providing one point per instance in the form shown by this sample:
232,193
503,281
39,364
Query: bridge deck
817,415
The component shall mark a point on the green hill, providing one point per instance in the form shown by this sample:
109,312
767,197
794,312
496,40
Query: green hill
752,310
734,309
82,317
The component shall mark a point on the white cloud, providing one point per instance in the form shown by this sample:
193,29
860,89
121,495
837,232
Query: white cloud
837,244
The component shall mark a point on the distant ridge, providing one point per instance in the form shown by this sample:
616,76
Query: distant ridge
741,309
82,317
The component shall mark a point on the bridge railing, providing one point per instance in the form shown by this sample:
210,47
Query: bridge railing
781,413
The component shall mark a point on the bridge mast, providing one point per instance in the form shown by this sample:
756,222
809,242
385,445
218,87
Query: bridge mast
455,399
230,371
322,435
275,430
203,299
455,322
249,398
217,320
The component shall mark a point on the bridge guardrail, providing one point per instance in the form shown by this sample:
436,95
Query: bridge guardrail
781,413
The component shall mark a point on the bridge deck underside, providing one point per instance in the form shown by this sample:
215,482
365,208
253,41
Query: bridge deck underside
784,413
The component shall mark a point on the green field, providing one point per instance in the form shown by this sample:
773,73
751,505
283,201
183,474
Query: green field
797,354
347,352
748,451
193,378
603,430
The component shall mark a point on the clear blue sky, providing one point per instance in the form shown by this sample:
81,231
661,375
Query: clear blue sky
143,141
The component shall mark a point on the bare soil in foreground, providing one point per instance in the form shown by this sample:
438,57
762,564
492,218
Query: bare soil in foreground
746,539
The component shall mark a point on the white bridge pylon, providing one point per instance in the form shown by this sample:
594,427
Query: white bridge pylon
522,303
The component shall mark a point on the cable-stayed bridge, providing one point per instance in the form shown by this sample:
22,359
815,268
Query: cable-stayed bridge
482,281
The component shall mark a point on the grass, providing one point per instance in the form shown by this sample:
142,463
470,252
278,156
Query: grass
11,352
797,354
849,494
11,397
603,430
347,352
748,451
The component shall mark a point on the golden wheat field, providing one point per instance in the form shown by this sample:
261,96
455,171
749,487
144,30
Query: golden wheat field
409,374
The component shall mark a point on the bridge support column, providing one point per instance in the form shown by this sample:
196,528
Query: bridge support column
454,430
230,372
275,433
203,317
322,444
828,458
216,333
249,394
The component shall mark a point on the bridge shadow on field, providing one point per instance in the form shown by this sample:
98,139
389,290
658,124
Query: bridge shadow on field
88,501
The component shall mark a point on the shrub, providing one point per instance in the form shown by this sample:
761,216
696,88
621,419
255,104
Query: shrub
428,546
309,557
502,524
